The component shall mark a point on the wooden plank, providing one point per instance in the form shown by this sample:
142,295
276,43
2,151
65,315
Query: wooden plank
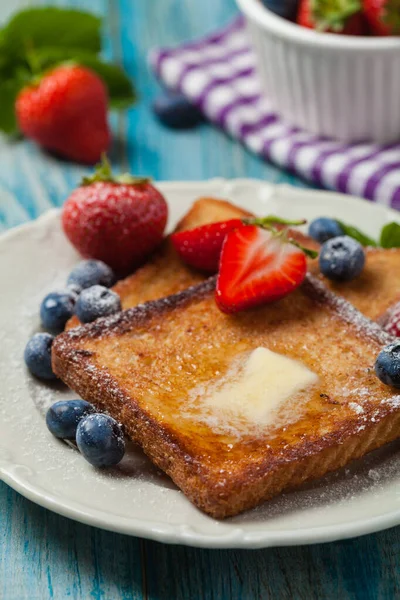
45,556
362,569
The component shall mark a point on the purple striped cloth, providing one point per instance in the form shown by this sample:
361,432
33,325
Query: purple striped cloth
217,73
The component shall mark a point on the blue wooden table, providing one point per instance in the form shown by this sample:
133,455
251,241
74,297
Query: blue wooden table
45,556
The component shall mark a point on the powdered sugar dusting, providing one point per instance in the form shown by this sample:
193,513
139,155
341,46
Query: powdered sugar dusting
347,311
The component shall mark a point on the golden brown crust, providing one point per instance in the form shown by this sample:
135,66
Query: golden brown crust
128,365
378,286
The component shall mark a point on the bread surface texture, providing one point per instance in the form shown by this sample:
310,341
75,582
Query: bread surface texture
152,366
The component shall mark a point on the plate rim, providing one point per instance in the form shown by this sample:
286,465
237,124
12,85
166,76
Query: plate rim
180,534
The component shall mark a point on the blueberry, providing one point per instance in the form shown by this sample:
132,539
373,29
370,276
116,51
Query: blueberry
37,355
387,365
91,272
63,417
284,8
100,440
341,258
95,302
56,309
175,111
323,229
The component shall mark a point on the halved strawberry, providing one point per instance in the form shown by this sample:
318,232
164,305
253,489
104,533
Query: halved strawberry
201,247
257,266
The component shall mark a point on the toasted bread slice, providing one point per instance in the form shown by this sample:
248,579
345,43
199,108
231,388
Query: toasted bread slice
153,368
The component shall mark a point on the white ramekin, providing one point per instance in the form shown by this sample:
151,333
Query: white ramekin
340,86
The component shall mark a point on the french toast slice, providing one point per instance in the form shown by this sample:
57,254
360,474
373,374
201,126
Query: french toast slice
156,369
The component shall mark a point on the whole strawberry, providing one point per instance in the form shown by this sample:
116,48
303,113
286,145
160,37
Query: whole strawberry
66,112
335,16
383,16
119,220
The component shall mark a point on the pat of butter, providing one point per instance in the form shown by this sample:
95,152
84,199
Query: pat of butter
260,387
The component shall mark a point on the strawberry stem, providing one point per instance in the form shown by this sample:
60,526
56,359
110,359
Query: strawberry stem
307,251
103,172
271,220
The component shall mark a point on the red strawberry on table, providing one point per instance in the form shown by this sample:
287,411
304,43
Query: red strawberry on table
65,111
117,219
258,266
335,16
383,16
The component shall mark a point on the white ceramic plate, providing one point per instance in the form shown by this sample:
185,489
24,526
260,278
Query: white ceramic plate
135,498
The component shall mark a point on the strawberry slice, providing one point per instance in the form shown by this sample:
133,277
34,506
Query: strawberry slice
257,266
201,247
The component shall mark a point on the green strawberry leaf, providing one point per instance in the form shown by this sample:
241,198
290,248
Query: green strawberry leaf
8,92
120,89
390,236
358,235
50,26
333,14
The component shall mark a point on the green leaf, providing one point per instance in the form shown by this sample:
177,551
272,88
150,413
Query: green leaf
390,236
358,235
273,220
50,26
103,172
120,89
8,92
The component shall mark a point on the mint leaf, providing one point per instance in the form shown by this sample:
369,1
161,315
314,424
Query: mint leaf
8,92
390,236
50,26
358,235
120,89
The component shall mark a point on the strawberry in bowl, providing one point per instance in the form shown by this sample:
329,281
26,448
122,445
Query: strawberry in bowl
383,16
344,17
